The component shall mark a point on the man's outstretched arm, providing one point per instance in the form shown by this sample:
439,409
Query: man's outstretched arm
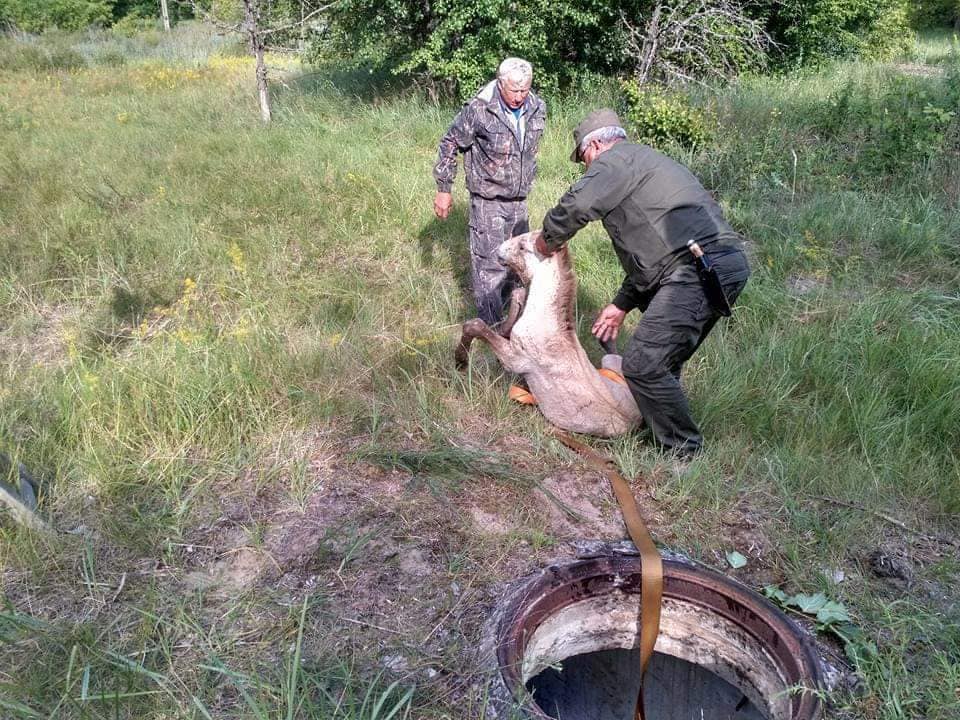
600,190
458,138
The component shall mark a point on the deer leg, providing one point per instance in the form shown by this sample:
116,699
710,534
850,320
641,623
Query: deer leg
477,328
518,296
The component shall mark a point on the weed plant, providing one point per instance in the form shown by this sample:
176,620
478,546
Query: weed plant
182,288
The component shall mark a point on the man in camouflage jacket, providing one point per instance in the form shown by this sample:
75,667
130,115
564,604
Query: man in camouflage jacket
499,133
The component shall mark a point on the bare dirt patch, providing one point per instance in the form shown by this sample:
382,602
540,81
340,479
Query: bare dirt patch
580,505
41,338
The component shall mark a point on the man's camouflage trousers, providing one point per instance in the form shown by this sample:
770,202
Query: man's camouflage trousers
491,223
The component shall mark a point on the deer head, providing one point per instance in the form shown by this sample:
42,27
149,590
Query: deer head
518,253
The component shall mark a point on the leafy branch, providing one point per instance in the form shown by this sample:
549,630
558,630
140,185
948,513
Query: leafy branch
830,616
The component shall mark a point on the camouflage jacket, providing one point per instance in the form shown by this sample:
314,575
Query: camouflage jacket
497,166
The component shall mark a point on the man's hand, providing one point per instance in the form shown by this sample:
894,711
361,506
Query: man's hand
540,245
442,204
608,323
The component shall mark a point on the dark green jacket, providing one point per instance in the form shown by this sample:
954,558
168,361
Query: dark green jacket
650,206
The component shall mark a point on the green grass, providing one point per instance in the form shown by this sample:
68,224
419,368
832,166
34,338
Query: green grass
194,306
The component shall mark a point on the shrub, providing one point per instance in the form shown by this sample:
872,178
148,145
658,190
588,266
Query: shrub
892,127
140,8
457,44
110,57
809,31
32,55
659,117
63,57
33,16
16,56
133,25
934,13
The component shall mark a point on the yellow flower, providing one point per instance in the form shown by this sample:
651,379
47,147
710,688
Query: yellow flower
123,117
241,329
186,336
236,258
72,351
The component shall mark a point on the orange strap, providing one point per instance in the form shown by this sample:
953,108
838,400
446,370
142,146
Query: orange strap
651,564
521,395
612,375
525,397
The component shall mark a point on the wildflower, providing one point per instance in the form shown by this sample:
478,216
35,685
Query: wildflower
186,336
236,258
241,329
189,288
123,117
72,351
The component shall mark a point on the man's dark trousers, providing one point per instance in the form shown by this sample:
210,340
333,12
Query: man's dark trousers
673,326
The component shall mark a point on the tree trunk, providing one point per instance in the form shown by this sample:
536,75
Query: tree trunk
302,42
651,46
165,15
251,12
262,90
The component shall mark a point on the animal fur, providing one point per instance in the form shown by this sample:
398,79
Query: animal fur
542,345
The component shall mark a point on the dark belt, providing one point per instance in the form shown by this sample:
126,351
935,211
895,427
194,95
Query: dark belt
500,198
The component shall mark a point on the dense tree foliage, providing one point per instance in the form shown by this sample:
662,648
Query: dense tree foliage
137,8
935,13
37,15
813,30
457,42
453,45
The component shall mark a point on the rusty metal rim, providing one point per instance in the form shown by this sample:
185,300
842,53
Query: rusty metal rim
561,585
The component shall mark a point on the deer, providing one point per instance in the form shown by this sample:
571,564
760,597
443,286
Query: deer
538,341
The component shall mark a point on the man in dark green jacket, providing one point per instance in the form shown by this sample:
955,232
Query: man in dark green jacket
651,207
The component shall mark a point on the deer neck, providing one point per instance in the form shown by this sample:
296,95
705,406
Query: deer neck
549,293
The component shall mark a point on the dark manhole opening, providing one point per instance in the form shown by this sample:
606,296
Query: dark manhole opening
566,647
603,685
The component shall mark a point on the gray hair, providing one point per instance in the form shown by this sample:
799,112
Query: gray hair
515,69
603,135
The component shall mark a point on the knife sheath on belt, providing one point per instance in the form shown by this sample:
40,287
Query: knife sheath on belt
712,287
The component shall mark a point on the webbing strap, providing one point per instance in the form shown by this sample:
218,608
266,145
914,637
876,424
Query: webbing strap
651,564
612,375
523,396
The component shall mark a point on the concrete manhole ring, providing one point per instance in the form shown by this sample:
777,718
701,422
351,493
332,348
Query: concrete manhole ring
568,635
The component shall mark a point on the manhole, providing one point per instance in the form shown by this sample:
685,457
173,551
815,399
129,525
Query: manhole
565,645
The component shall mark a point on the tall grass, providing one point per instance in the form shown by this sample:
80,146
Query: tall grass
180,288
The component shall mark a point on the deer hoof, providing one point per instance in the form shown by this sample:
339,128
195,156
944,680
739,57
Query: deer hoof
460,358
